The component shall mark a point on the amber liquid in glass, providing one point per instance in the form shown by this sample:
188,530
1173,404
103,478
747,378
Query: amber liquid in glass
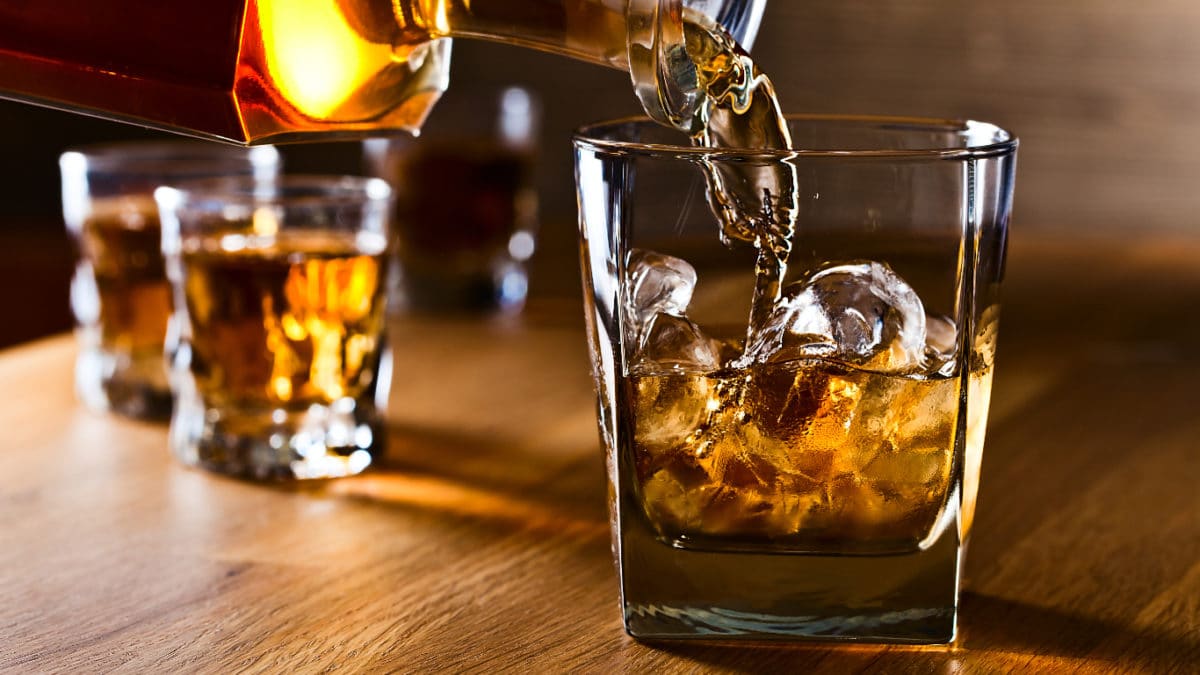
286,323
121,239
808,456
122,303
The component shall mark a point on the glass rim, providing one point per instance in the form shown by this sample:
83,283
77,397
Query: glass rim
589,137
286,190
173,155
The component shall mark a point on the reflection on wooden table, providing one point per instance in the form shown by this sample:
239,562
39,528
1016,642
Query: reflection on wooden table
483,542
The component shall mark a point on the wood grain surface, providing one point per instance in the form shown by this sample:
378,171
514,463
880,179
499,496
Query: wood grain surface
483,544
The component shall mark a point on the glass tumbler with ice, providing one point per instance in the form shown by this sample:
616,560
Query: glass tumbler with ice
794,444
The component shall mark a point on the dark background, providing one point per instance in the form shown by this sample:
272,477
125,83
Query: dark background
1103,93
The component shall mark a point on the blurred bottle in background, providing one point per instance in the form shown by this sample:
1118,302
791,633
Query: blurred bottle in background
465,204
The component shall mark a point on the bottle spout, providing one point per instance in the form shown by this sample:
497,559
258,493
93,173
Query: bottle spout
664,75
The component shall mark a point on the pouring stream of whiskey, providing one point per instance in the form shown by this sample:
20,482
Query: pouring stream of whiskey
754,202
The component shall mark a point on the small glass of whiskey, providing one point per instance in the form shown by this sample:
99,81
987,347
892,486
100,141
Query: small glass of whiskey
793,352
283,369
120,295
466,209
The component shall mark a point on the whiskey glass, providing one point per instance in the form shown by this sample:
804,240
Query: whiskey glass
283,368
119,294
810,473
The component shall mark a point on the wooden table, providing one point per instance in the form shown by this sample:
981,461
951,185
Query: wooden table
484,545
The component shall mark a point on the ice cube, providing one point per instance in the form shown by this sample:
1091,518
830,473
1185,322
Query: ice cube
797,329
656,284
670,409
673,343
861,313
941,343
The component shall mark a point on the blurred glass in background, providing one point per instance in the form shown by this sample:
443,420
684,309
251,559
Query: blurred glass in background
283,367
466,208
119,294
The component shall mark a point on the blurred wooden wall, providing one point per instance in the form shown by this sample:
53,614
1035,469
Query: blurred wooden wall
1104,94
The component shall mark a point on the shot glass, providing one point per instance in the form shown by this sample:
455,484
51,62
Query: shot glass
793,404
466,205
120,295
283,368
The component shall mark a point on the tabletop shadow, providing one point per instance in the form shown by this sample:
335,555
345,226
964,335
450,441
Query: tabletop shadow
493,481
994,623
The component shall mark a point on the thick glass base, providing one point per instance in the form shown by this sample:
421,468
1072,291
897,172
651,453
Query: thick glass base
320,441
673,593
123,385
